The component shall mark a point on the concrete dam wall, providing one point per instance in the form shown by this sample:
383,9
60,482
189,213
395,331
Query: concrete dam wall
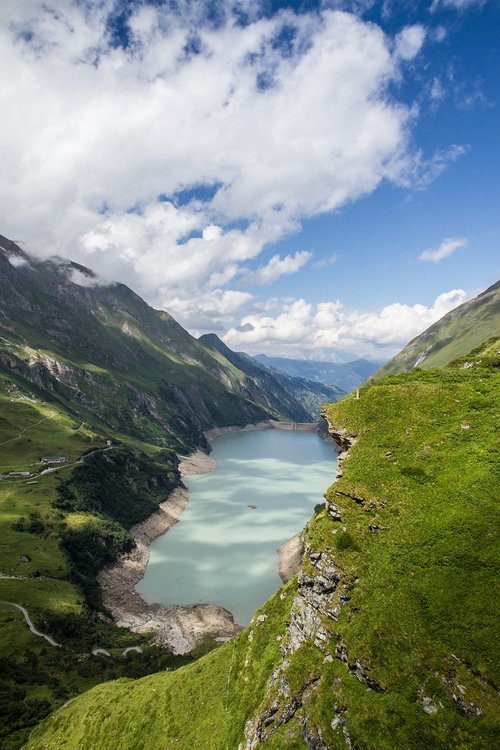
294,426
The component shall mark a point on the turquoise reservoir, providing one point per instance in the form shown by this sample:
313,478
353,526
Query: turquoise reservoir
223,551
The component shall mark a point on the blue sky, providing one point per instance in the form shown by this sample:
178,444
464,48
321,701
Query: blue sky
301,178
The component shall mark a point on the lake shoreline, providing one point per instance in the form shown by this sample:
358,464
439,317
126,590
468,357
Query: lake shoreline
179,627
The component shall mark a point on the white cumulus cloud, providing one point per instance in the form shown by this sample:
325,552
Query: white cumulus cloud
445,249
319,329
409,41
172,164
91,135
277,267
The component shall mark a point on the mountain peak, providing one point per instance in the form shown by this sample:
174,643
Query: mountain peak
454,335
211,339
11,250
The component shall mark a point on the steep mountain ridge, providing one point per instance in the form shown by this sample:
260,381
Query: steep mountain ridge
102,351
309,393
458,332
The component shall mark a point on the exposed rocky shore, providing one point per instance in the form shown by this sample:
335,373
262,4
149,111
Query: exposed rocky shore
179,627
290,555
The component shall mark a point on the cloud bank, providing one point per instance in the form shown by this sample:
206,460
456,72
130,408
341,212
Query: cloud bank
170,152
318,329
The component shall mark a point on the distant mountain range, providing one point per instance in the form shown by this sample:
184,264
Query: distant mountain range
457,333
310,393
345,376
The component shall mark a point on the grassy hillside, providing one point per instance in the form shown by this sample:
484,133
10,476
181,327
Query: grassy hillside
53,538
218,691
458,332
387,639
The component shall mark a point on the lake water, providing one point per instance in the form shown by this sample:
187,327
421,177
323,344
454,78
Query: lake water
223,551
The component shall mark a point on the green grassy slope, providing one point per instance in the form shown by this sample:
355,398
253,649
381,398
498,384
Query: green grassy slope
52,543
217,692
390,641
457,333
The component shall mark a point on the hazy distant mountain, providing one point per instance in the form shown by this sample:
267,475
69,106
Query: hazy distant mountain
457,333
345,376
309,393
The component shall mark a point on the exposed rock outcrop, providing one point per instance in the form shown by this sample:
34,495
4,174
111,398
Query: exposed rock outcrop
322,590
290,556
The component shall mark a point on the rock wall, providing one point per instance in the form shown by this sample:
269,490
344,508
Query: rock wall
321,592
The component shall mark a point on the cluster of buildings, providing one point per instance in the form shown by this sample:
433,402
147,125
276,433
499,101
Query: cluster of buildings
45,460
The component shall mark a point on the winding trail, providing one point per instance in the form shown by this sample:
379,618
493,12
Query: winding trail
29,623
4,576
29,427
